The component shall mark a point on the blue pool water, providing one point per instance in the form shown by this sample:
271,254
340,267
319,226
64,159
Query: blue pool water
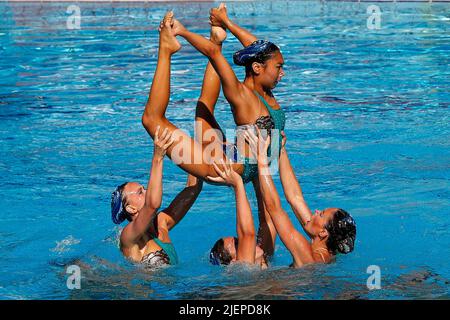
368,125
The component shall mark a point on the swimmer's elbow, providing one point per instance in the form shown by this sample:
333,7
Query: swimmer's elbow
272,204
147,121
247,233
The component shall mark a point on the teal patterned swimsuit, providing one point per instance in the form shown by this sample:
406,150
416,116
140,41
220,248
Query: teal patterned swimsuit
167,254
279,119
169,249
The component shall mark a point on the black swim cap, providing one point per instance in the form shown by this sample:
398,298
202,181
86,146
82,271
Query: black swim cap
258,51
342,232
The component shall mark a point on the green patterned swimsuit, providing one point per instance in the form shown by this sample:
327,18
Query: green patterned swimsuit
278,118
167,254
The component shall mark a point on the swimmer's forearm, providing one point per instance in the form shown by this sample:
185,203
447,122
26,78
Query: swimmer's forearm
153,196
232,88
244,223
205,46
244,36
293,190
269,192
292,239
152,202
182,203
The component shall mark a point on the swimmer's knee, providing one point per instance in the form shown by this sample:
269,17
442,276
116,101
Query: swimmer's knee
211,172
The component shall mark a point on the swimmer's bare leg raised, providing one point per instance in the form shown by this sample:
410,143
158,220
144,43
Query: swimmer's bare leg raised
154,113
159,95
204,112
204,115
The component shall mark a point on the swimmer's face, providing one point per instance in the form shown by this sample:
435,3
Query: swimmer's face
134,197
272,71
230,245
320,219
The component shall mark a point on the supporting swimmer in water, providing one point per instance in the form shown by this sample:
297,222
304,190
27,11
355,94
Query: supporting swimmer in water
242,249
331,230
263,63
145,239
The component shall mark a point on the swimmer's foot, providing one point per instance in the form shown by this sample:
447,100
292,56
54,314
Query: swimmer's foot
167,40
177,27
218,35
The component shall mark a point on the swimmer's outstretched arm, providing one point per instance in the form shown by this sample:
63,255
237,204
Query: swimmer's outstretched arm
153,197
292,189
294,241
219,17
182,203
244,220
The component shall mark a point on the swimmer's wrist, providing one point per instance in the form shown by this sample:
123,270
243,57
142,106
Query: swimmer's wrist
238,184
262,160
227,23
183,32
158,158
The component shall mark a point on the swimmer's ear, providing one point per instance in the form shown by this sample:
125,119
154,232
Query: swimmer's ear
323,234
257,67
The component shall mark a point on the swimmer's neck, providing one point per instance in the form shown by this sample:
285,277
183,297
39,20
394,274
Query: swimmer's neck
254,86
319,245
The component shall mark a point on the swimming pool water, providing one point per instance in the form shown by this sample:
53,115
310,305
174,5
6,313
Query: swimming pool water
368,128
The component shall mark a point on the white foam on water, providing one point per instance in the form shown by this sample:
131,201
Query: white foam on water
65,244
180,71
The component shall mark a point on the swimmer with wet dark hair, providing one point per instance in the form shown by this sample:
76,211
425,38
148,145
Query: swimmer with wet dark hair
252,101
332,230
243,248
263,63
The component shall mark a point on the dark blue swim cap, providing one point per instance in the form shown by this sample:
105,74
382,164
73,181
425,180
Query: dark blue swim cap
258,51
213,259
118,215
